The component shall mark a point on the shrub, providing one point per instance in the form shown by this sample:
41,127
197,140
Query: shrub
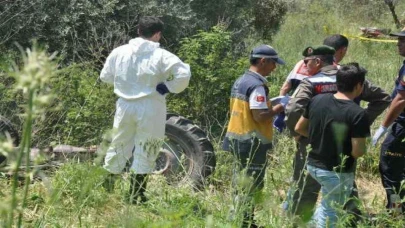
214,68
82,110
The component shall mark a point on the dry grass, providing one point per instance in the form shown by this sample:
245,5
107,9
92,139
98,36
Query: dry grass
371,193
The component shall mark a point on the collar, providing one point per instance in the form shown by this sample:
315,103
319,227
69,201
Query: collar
257,75
329,70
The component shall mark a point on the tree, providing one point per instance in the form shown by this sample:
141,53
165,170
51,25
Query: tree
391,6
85,29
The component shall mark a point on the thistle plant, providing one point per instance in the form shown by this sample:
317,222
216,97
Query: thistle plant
31,79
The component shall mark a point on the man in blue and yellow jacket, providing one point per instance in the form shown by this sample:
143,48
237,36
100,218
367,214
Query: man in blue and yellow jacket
250,130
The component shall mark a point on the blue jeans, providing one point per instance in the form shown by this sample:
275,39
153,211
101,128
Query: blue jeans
303,194
336,189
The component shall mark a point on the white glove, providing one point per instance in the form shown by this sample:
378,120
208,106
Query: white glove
378,134
284,101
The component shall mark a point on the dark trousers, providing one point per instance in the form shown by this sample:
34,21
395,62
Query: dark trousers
2,159
305,194
251,157
250,162
392,163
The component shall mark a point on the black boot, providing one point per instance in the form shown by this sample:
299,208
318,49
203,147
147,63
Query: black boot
2,159
137,188
109,182
249,221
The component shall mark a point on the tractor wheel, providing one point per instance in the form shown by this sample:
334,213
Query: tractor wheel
6,128
187,156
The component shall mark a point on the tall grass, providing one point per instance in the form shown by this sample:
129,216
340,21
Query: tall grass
31,80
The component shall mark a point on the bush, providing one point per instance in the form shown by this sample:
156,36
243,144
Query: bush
214,68
82,110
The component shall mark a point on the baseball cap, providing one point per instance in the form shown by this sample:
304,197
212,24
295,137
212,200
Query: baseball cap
318,50
266,51
399,34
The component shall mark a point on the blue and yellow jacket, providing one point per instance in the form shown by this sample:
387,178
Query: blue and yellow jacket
242,126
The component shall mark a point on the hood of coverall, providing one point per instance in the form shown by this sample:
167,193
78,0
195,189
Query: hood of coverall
141,46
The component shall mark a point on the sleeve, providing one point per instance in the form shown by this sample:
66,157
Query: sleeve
257,99
305,114
378,100
293,73
173,66
297,104
361,127
108,72
400,86
290,75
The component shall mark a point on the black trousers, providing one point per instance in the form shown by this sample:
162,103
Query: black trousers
392,163
250,162
251,156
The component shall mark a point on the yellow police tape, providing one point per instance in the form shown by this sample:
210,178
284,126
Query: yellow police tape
370,39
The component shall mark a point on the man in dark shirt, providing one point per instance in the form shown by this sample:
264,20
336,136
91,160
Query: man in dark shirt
336,127
303,193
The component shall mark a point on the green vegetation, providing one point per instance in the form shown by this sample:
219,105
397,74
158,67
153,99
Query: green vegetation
215,40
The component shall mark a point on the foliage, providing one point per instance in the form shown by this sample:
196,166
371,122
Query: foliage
31,80
268,15
214,69
72,196
10,100
79,182
259,17
81,111
83,29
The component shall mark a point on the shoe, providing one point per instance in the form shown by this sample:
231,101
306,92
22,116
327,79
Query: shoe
109,182
251,225
137,188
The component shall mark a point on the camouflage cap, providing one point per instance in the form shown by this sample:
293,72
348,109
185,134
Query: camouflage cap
318,50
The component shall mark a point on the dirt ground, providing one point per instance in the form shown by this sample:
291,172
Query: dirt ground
371,193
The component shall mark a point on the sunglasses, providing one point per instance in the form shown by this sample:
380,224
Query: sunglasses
307,60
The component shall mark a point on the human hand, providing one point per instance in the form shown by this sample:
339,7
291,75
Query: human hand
378,134
297,138
162,88
284,101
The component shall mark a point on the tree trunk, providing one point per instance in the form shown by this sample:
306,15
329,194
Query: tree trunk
391,6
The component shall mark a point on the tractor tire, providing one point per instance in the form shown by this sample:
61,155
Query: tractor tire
187,156
6,128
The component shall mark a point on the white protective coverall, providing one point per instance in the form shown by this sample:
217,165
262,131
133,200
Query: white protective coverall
136,69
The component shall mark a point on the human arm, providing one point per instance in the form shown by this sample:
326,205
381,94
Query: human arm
302,126
173,66
378,100
360,131
297,104
259,107
358,147
296,74
261,115
397,106
108,72
285,88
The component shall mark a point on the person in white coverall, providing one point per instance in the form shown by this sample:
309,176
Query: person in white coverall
140,72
